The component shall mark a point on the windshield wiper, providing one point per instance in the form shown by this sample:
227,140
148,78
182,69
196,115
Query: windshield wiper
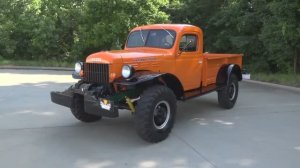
141,33
167,32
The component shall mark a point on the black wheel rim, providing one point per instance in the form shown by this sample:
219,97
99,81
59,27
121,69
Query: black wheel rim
161,114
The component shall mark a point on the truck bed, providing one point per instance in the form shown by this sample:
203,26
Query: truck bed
212,62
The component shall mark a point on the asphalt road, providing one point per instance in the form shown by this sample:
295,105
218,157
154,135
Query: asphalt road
262,131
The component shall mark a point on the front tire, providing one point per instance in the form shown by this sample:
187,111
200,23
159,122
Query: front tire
155,113
77,110
228,95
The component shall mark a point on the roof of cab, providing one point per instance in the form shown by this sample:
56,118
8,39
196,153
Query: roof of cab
176,27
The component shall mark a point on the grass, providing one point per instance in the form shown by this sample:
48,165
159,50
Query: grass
282,79
39,63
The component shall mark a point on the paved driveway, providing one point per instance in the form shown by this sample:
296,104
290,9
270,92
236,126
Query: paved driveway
262,131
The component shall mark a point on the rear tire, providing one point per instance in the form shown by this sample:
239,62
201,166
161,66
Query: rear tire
228,95
155,113
77,110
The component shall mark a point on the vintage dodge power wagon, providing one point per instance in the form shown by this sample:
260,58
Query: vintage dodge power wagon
159,65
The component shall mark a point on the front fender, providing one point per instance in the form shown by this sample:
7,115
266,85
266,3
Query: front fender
145,79
139,79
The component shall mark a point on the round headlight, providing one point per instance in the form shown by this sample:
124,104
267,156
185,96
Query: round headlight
127,71
78,67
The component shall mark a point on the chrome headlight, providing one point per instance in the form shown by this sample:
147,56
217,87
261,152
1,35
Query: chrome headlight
78,67
127,71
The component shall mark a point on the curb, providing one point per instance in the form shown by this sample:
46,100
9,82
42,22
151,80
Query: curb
36,68
289,88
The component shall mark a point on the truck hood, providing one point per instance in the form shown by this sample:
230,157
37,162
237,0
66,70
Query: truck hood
125,56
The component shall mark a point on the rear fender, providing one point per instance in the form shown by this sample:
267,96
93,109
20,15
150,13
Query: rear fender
224,74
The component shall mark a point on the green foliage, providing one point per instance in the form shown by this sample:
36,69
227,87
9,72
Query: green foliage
15,30
236,29
105,24
267,32
57,24
280,33
66,30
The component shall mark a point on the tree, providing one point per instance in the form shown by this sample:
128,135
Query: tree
57,29
15,28
281,34
105,24
265,31
236,28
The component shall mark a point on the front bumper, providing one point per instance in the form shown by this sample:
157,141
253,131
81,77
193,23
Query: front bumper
91,104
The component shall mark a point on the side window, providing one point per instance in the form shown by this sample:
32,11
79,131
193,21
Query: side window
188,43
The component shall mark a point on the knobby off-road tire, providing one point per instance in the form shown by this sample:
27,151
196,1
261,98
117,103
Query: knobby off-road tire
228,95
155,113
77,110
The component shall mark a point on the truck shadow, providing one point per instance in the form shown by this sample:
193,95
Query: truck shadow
198,107
48,128
32,105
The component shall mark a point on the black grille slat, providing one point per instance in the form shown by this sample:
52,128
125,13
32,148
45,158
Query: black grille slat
96,69
104,70
102,73
96,73
107,76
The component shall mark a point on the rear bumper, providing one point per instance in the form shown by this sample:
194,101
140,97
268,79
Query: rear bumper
91,104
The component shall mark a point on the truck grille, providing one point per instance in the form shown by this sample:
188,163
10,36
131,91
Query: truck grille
96,73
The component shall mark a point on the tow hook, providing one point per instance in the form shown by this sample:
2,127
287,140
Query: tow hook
130,103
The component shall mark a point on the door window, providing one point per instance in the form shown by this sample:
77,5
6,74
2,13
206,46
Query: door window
188,43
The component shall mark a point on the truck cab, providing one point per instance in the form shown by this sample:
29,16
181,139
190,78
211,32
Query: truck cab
159,65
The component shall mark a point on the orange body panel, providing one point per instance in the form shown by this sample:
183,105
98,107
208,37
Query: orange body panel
193,69
213,62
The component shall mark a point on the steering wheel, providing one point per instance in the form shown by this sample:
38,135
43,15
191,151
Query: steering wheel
166,44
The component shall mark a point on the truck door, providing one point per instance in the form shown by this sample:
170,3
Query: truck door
189,61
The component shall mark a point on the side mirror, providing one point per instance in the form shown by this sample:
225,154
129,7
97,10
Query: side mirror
122,46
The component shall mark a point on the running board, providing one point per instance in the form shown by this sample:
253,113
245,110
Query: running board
200,91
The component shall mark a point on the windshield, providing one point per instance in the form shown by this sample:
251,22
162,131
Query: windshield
152,38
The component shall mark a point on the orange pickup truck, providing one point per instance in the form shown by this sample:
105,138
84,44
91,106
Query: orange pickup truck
159,65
